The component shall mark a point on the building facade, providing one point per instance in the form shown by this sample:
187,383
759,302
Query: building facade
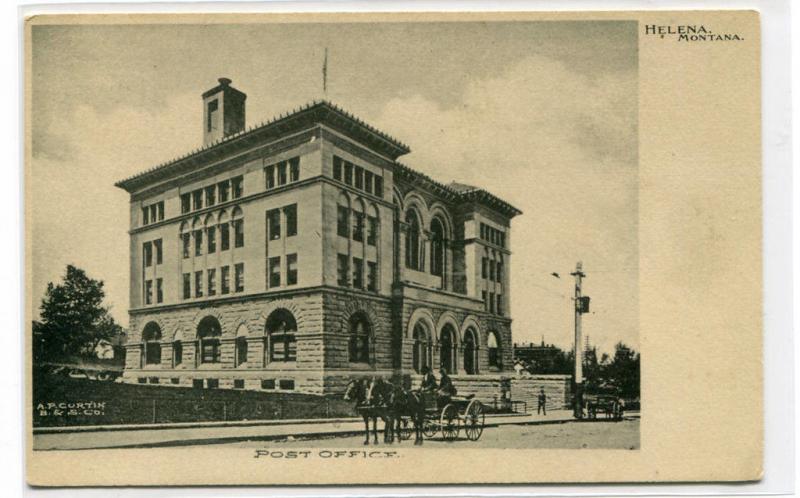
300,253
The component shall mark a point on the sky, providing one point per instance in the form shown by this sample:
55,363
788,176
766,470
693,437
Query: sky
541,114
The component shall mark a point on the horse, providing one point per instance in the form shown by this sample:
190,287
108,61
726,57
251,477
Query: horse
408,403
370,404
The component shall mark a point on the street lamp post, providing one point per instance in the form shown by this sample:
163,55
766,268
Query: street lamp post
581,306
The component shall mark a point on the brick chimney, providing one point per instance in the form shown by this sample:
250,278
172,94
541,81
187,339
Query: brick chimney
223,111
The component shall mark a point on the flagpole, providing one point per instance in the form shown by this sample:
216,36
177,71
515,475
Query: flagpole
325,73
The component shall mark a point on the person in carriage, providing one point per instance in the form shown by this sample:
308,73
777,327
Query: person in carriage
446,389
428,381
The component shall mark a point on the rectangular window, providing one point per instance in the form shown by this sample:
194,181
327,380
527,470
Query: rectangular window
294,169
491,302
212,240
368,182
238,233
485,301
237,187
499,304
483,231
379,186
212,282
198,284
274,222
238,271
291,269
213,106
499,272
484,268
342,269
153,213
337,168
342,224
358,273
491,269
211,197
160,207
147,254
187,244
275,272
198,242
145,216
148,292
291,220
159,290
270,176
282,173
187,285
358,226
348,173
372,276
186,203
372,230
359,178
224,275
225,237
159,251
197,199
223,189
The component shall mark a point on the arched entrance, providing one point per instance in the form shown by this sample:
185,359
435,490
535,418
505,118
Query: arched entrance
447,349
209,332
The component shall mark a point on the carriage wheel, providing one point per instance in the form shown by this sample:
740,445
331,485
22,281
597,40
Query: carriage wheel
474,418
405,429
429,427
450,422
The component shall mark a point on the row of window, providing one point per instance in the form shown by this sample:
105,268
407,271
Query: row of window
356,176
343,225
153,213
148,291
358,282
422,352
212,194
274,270
279,174
493,235
211,281
493,303
211,238
492,270
415,258
148,248
211,383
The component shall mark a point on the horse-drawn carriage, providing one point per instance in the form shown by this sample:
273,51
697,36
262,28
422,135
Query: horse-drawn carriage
459,411
610,405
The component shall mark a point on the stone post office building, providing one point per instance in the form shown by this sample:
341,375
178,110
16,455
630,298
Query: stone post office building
300,253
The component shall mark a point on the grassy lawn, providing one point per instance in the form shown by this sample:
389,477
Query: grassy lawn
64,401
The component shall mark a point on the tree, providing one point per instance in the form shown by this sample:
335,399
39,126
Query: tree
73,317
623,371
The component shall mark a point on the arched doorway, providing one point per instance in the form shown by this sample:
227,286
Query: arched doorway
422,347
280,331
209,332
447,349
471,352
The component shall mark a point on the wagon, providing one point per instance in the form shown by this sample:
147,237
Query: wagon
602,403
460,412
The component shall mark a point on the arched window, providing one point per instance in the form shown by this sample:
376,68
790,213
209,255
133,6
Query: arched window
359,339
437,247
373,225
241,345
224,231
211,234
197,231
237,221
151,344
447,349
413,259
471,352
186,239
281,329
422,347
493,346
343,216
358,220
177,353
208,334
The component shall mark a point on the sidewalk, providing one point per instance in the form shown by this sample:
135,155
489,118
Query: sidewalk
211,433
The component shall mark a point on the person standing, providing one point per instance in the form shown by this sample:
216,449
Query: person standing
542,405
